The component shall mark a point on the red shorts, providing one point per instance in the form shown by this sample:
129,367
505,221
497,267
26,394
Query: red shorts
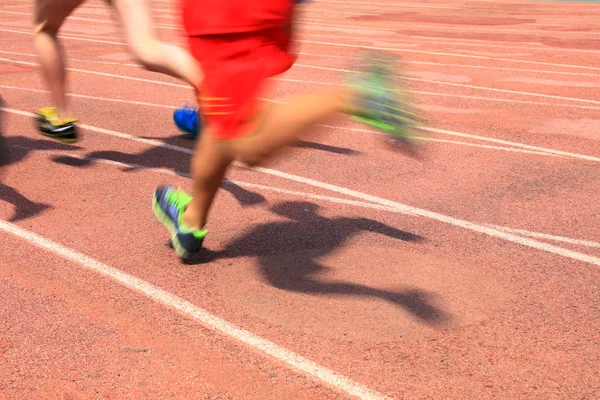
236,69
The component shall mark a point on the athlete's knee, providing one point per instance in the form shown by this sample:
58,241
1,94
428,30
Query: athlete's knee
252,158
147,53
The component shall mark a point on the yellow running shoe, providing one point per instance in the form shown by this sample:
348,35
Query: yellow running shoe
48,124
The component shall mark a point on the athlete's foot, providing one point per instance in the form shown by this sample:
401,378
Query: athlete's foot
187,120
373,97
168,205
49,124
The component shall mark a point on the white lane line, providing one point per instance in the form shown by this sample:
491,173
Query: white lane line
466,86
506,142
331,199
401,50
538,235
536,149
293,360
438,53
85,71
457,222
119,64
537,71
324,69
574,255
436,94
83,96
483,146
300,65
313,196
484,139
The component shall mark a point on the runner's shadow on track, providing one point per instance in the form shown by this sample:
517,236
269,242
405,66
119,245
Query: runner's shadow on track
165,158
15,149
307,236
171,159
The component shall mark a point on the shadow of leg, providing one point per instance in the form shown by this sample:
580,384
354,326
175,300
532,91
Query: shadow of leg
24,208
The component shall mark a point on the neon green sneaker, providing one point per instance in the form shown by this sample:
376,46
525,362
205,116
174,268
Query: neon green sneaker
380,99
168,205
48,124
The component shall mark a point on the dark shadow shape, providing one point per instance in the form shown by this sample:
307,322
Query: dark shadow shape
325,147
18,149
245,197
4,156
24,208
306,236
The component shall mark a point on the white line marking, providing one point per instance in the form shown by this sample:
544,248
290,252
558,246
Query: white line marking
83,96
466,86
485,139
119,64
574,255
438,53
401,50
133,166
538,235
85,71
483,146
168,299
436,130
331,199
348,57
344,70
525,146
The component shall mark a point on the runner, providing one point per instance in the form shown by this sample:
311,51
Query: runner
240,45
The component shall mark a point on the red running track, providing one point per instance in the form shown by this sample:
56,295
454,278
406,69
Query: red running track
342,269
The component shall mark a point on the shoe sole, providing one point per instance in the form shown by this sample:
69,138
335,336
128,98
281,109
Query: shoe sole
164,219
49,134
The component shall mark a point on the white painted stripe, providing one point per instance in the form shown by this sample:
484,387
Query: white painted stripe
465,85
401,50
83,96
485,139
313,196
438,53
348,57
94,61
476,87
578,242
574,255
525,146
211,321
462,28
443,131
328,83
494,99
67,37
483,146
85,71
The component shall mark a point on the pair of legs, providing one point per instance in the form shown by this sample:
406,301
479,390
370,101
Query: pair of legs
136,17
279,126
238,126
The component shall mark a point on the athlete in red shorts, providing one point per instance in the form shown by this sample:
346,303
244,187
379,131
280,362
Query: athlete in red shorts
240,44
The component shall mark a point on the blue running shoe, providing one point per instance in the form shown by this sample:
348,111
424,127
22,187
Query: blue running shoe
168,205
186,119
